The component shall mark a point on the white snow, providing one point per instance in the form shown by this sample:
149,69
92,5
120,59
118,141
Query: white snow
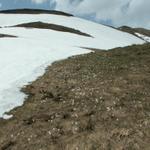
25,58
146,38
112,36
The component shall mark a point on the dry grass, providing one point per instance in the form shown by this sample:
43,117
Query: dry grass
97,101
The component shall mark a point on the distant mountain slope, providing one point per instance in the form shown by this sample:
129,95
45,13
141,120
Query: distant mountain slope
102,33
24,58
34,11
139,32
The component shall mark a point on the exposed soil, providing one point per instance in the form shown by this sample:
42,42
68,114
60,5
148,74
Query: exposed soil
6,35
97,101
130,30
34,11
41,25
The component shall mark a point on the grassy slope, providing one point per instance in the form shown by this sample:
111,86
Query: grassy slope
95,101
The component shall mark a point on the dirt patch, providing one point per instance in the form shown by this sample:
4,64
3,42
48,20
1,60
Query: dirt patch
6,35
34,11
41,25
97,101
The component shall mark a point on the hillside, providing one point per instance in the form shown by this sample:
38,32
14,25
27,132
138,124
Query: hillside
93,101
71,84
37,39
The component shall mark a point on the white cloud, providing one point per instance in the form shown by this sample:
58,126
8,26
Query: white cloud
39,1
120,12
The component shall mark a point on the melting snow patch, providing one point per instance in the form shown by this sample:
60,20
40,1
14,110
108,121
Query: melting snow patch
5,116
146,38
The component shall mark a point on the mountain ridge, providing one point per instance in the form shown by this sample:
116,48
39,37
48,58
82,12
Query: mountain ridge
34,11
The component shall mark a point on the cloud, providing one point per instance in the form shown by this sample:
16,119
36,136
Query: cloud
117,12
38,1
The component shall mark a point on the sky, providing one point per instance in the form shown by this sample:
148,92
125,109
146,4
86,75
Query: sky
135,13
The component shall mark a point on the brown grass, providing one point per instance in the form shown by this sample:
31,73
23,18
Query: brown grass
97,101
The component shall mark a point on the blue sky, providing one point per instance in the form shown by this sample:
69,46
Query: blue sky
13,4
111,12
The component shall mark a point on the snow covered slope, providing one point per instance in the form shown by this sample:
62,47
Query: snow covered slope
28,51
